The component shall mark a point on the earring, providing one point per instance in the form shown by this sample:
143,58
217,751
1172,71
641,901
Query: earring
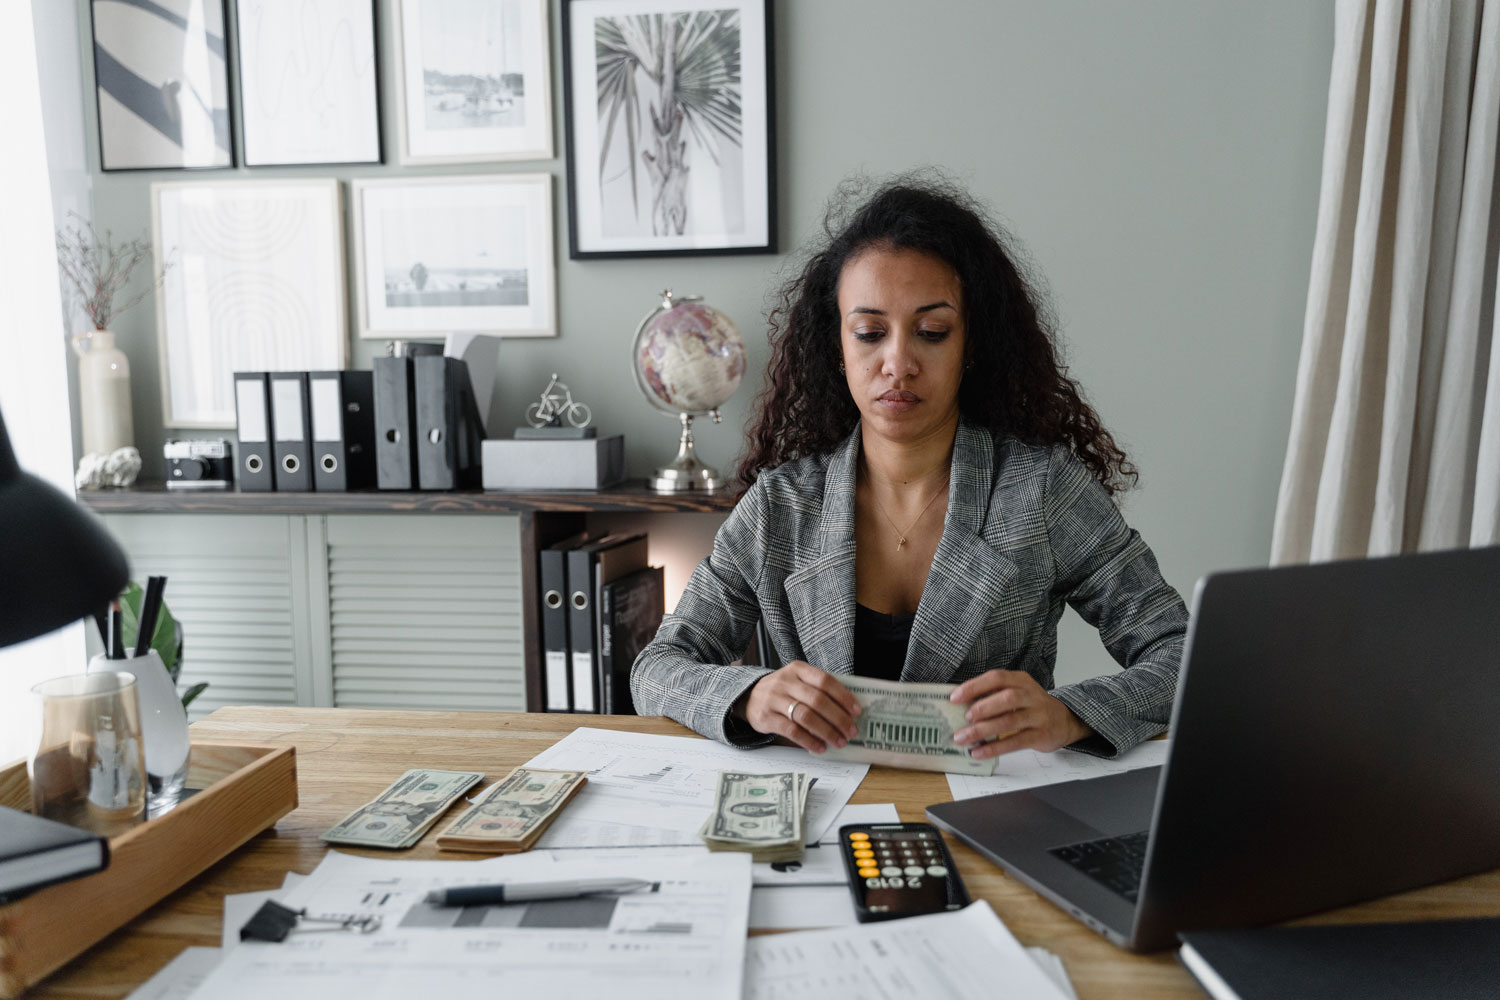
841,369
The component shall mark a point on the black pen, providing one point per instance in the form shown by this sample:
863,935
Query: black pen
150,611
526,892
116,638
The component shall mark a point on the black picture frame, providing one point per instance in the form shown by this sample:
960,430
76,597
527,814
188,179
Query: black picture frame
137,128
247,124
754,114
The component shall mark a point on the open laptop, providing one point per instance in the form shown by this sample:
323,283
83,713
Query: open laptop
1335,737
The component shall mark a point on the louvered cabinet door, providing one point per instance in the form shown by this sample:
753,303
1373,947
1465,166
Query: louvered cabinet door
424,611
238,584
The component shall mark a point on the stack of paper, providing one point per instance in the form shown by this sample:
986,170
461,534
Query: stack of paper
967,955
685,936
1031,768
654,791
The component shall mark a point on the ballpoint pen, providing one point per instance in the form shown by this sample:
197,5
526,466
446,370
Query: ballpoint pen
525,892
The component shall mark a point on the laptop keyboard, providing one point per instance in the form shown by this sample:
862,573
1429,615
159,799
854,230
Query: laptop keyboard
1113,862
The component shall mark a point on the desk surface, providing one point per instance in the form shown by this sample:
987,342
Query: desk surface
347,756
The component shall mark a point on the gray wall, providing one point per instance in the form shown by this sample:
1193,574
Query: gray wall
1158,160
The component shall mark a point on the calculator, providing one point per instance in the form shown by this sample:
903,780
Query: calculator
899,870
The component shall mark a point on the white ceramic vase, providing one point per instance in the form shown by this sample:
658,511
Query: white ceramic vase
164,726
103,393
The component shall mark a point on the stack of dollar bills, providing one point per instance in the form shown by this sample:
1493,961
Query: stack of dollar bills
511,814
761,814
403,812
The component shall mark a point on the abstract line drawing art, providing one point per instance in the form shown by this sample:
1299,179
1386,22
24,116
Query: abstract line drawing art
308,85
161,83
669,121
256,284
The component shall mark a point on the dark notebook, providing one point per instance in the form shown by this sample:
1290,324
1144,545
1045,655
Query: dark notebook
630,612
35,852
1452,959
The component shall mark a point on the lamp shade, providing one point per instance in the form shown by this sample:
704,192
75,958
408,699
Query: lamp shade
58,563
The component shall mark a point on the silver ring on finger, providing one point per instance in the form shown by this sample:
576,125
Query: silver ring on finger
791,710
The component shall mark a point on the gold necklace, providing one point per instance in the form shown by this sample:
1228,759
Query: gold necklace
901,535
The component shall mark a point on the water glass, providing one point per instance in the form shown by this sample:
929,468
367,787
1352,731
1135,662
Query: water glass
89,769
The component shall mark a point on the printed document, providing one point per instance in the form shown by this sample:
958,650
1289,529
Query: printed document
654,791
1032,768
684,936
966,955
786,895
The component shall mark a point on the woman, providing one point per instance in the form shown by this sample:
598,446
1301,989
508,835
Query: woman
926,490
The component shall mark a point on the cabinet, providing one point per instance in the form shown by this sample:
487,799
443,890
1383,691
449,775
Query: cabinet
369,600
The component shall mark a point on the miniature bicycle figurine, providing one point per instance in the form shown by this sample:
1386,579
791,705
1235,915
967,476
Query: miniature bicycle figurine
557,404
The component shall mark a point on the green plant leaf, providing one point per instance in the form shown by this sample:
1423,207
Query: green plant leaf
193,692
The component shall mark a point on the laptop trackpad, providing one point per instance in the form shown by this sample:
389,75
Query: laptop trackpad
1115,804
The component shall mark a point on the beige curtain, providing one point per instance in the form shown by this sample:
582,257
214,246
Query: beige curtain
33,376
1395,440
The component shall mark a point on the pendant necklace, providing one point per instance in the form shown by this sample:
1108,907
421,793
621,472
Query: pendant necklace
901,535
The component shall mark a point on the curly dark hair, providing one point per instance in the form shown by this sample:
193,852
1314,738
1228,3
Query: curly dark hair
1017,385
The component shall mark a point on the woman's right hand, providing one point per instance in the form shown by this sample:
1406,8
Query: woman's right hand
804,704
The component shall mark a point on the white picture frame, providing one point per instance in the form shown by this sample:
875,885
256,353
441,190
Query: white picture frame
475,80
309,83
162,85
254,282
463,254
707,185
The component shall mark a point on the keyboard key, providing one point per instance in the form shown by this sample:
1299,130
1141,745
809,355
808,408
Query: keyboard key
1114,862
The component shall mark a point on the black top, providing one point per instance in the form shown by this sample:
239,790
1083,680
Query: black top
880,643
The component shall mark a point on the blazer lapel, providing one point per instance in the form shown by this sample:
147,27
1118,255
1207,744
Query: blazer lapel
820,591
967,574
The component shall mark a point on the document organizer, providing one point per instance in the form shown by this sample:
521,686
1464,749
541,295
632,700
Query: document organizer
244,790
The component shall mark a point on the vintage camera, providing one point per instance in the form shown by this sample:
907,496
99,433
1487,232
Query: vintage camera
199,465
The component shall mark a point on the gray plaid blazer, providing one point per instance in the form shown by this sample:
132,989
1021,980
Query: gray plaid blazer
1027,530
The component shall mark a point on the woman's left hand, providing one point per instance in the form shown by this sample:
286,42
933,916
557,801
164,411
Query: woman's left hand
1013,712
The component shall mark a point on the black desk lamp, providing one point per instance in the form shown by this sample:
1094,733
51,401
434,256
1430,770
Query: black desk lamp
57,561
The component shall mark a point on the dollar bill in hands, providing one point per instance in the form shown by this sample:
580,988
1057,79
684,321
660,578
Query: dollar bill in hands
907,725
763,815
511,814
399,816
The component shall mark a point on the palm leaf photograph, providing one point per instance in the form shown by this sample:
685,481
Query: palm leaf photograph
669,115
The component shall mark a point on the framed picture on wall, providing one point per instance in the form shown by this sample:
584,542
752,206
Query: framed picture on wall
308,88
161,85
254,282
475,81
669,110
464,254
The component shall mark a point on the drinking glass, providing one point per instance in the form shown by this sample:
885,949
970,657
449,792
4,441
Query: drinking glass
89,769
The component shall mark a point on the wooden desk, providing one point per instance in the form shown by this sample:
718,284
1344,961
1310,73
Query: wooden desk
346,756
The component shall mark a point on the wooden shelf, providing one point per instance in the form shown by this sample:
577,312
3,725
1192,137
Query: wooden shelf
155,498
544,518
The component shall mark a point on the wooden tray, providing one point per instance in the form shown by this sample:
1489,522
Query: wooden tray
245,789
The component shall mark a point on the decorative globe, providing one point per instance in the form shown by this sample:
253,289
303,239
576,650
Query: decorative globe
689,357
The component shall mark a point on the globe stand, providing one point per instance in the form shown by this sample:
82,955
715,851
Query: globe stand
685,472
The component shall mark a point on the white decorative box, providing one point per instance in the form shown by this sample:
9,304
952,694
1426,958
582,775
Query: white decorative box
556,464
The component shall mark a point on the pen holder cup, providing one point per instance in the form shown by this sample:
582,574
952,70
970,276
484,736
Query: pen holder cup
164,726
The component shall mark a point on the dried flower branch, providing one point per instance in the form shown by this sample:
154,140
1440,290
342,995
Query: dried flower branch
97,270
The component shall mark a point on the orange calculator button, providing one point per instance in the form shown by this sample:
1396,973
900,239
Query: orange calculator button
859,836
866,853
869,872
